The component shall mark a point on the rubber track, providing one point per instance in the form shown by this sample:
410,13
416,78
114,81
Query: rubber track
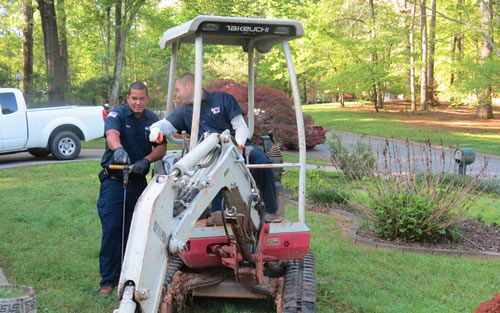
299,294
173,266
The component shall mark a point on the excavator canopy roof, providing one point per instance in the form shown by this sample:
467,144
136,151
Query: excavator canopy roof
239,31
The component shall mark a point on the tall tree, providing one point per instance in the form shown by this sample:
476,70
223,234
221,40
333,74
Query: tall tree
55,76
377,92
413,93
28,50
485,110
424,103
123,25
63,41
432,50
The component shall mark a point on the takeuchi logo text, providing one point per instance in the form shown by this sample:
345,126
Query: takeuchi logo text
250,29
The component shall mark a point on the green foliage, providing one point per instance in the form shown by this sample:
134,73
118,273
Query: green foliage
354,164
405,216
407,201
319,188
93,91
11,292
4,75
328,196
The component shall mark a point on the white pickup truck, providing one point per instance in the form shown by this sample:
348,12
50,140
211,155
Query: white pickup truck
56,130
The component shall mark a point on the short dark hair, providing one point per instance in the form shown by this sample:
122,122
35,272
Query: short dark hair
137,86
187,77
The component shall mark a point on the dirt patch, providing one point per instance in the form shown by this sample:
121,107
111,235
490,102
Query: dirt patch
439,117
473,236
492,306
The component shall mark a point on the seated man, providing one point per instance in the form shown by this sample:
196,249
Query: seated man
219,111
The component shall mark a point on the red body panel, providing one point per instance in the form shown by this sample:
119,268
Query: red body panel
279,246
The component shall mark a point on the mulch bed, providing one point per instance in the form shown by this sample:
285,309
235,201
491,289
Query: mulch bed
474,236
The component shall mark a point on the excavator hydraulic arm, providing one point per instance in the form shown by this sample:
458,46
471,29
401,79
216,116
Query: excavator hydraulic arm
168,209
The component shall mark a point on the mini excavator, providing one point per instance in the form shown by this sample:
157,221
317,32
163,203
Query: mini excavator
176,247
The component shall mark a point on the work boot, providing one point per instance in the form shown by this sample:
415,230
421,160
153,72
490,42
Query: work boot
272,218
106,290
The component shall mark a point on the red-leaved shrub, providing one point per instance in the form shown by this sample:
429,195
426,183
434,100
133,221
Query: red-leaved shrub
273,111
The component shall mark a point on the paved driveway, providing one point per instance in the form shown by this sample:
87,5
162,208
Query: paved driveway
26,159
442,158
322,152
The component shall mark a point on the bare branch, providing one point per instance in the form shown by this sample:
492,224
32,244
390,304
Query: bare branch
472,26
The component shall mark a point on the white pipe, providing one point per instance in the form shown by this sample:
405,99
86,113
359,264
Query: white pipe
251,90
196,154
171,78
195,125
300,129
273,165
127,304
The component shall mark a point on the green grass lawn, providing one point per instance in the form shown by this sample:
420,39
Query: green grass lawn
333,117
50,239
99,143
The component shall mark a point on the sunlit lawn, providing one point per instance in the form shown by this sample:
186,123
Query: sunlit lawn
332,116
51,235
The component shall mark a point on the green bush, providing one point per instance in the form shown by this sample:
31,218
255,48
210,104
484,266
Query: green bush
327,196
404,199
356,164
406,216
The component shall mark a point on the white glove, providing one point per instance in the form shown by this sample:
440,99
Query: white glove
156,135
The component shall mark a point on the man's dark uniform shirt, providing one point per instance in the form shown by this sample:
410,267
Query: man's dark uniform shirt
134,137
134,133
216,112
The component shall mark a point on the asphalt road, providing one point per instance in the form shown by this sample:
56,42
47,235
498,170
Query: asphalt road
26,159
439,159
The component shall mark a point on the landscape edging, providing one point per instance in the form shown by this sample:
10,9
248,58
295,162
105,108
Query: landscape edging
364,242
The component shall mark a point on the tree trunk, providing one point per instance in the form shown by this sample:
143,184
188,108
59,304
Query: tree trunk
304,96
52,52
453,49
432,49
63,42
126,23
412,60
28,51
485,110
118,27
376,85
424,103
108,49
380,95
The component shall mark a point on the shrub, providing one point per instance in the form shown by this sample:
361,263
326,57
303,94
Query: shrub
405,216
411,204
354,164
327,196
274,111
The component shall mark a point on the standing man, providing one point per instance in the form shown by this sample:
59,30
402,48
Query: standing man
219,111
127,142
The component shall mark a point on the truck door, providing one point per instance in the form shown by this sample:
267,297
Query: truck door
13,128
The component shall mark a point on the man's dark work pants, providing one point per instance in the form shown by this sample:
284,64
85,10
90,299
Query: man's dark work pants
264,179
110,208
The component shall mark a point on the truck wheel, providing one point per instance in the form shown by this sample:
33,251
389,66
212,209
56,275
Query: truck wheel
65,146
39,152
